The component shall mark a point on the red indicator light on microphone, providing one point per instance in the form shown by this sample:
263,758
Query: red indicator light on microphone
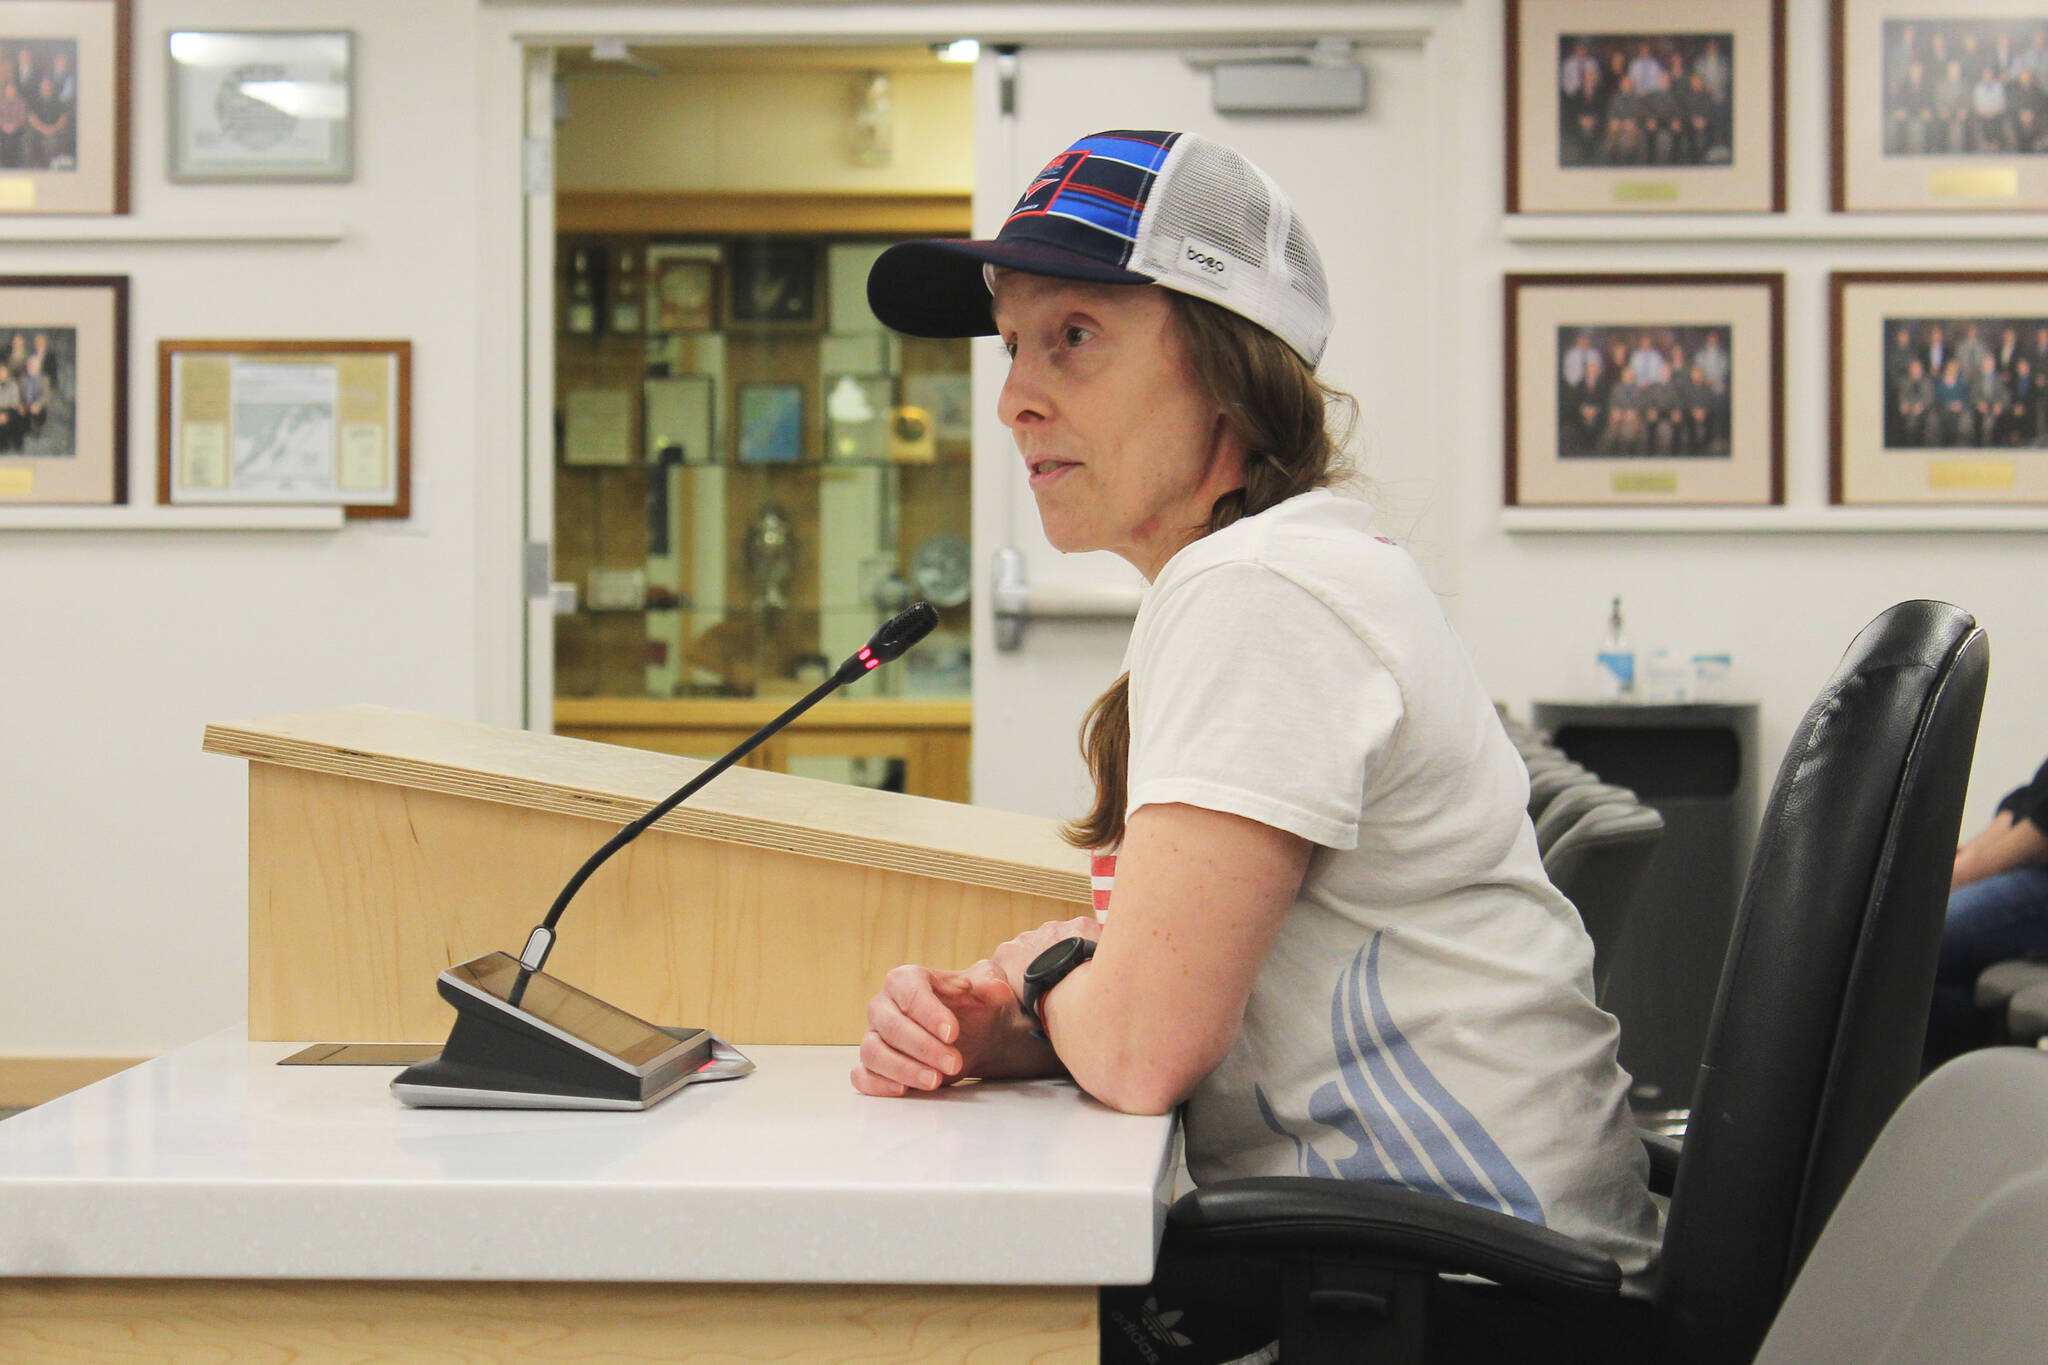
874,664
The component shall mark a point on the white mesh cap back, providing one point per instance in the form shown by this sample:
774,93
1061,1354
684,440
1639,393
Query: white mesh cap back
1217,227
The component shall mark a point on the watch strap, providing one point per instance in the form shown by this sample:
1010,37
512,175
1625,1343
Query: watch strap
1046,971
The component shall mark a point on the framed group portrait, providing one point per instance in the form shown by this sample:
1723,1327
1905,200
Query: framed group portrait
64,106
286,423
1642,106
64,389
1644,390
1939,388
1940,107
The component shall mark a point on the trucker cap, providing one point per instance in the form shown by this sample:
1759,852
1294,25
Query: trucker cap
1173,209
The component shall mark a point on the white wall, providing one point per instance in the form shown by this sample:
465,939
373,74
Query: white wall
122,874
122,847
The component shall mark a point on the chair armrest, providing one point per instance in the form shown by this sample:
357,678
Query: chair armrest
1663,1150
1278,1216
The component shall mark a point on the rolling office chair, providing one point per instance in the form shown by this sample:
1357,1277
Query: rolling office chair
1815,1038
1924,1259
1598,863
1568,805
2017,991
2026,1015
1547,782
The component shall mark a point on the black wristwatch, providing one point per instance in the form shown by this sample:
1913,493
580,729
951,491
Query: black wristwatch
1047,970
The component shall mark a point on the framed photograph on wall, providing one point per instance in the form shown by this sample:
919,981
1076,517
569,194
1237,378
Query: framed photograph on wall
1645,390
1939,389
285,423
265,105
64,106
772,282
64,389
1940,107
1642,106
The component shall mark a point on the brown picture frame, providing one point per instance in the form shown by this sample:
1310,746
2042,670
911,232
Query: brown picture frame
79,324
1931,457
1720,451
368,417
1547,173
85,169
1882,155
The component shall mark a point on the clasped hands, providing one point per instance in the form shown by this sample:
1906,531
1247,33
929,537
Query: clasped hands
929,1027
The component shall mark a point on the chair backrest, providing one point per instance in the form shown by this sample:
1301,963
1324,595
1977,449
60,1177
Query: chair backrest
1546,783
1598,863
1818,1022
1934,1251
1568,805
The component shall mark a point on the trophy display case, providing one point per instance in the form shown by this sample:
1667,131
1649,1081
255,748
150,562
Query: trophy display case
751,473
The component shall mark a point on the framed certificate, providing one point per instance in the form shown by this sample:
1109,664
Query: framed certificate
64,106
280,423
270,105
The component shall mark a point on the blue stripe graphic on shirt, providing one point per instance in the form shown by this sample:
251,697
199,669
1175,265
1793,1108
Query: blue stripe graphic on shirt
1432,1100
1362,1041
1356,1057
1307,1158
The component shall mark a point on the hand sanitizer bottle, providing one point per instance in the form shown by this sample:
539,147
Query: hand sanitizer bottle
1617,659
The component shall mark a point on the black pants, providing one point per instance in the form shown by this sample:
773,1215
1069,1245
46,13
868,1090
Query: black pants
1198,1310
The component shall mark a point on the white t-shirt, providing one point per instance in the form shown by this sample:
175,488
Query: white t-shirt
1426,1015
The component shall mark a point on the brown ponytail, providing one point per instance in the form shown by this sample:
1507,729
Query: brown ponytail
1283,414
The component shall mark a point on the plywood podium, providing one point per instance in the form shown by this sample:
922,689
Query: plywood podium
385,846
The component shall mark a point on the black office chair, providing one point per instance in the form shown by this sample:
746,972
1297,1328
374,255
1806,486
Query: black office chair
1598,863
1815,1038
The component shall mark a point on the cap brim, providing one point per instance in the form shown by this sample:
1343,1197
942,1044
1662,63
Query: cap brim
935,288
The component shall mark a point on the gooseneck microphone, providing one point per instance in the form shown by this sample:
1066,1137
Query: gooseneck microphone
895,636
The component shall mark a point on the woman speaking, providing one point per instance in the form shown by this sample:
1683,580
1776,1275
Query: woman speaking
1330,935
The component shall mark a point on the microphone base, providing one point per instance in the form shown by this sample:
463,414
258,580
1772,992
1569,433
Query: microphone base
559,1049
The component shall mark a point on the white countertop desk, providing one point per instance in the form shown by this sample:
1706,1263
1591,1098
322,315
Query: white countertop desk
213,1198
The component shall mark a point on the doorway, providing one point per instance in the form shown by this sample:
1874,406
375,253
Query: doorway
749,472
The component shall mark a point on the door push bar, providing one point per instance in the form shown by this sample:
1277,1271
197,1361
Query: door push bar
1015,602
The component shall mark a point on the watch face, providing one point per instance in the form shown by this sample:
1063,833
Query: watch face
1054,959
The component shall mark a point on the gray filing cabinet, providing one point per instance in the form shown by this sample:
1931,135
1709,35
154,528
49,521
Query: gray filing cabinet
1697,763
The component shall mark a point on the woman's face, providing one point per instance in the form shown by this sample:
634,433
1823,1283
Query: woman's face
1124,450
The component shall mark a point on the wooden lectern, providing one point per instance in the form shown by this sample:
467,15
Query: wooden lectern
385,846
